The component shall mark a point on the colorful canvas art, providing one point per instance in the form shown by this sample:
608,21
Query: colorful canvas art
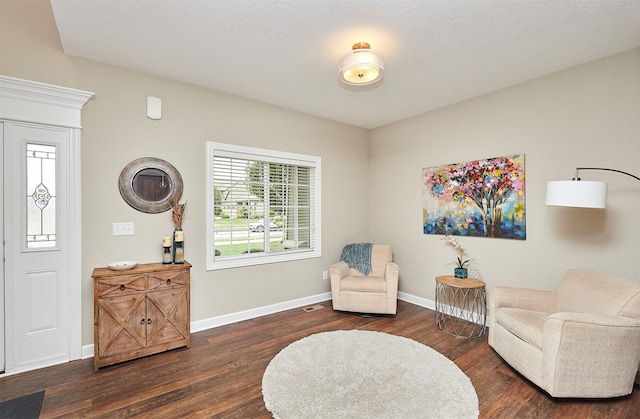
483,198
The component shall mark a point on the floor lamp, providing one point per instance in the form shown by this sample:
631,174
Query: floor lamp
580,193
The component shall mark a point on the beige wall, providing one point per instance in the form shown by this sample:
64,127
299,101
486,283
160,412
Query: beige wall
371,181
117,131
584,116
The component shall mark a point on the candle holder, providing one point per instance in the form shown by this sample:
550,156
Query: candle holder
166,255
178,246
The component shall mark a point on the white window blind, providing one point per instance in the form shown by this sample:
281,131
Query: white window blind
263,206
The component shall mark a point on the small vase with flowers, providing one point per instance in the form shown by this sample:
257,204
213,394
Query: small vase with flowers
461,265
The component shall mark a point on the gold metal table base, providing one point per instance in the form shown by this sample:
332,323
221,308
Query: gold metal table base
461,306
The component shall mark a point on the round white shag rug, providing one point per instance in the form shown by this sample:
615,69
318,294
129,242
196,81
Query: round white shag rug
365,374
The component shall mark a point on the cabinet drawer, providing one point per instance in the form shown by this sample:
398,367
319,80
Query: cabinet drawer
158,280
120,285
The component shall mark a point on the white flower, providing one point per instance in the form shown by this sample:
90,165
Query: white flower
454,241
459,262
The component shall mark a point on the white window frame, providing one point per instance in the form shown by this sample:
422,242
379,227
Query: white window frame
259,154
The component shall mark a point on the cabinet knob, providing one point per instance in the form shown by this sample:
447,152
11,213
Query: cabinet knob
168,280
148,321
122,287
142,321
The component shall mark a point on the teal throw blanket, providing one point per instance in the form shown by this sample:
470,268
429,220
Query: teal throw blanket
358,256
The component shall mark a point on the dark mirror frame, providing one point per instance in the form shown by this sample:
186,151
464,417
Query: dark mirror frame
128,175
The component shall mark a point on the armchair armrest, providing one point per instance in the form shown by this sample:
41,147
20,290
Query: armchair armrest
524,298
391,272
589,350
588,319
339,270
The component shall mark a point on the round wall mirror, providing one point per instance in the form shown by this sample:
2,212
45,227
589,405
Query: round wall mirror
150,185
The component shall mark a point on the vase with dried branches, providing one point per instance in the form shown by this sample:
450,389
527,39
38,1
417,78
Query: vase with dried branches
177,215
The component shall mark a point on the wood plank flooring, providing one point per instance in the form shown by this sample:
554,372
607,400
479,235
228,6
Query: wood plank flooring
220,375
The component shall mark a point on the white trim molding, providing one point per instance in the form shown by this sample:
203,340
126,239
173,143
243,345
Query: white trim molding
302,235
218,321
419,301
29,101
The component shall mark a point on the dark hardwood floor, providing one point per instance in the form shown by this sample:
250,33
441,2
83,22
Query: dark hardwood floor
220,375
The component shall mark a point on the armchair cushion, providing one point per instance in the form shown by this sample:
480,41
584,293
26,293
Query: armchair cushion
525,324
364,284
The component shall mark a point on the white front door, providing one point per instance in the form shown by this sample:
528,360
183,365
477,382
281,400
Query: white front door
42,258
37,245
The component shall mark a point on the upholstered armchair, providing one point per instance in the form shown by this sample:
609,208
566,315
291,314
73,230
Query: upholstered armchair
582,340
365,280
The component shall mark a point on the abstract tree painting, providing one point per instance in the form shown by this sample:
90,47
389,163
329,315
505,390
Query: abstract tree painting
483,198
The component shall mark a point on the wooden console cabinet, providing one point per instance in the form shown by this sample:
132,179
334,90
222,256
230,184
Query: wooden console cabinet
140,312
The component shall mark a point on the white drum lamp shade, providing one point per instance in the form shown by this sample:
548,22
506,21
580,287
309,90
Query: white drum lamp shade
361,66
577,193
581,193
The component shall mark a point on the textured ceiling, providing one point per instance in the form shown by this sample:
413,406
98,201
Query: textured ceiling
286,52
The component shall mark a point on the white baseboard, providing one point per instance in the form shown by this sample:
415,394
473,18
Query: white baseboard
223,320
419,301
87,351
210,323
430,304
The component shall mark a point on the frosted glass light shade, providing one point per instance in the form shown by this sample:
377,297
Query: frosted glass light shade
361,67
577,193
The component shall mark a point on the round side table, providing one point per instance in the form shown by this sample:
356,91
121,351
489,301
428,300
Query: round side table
461,306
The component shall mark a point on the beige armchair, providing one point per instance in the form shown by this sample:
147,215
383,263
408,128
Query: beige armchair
369,292
582,340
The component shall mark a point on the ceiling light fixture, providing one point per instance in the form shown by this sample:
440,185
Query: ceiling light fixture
361,68
581,194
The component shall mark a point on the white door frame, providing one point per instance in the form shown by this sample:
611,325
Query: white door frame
27,101
2,320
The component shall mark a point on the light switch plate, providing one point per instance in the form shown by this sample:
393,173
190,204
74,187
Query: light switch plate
123,229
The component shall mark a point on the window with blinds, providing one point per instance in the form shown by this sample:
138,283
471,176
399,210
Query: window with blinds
263,206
